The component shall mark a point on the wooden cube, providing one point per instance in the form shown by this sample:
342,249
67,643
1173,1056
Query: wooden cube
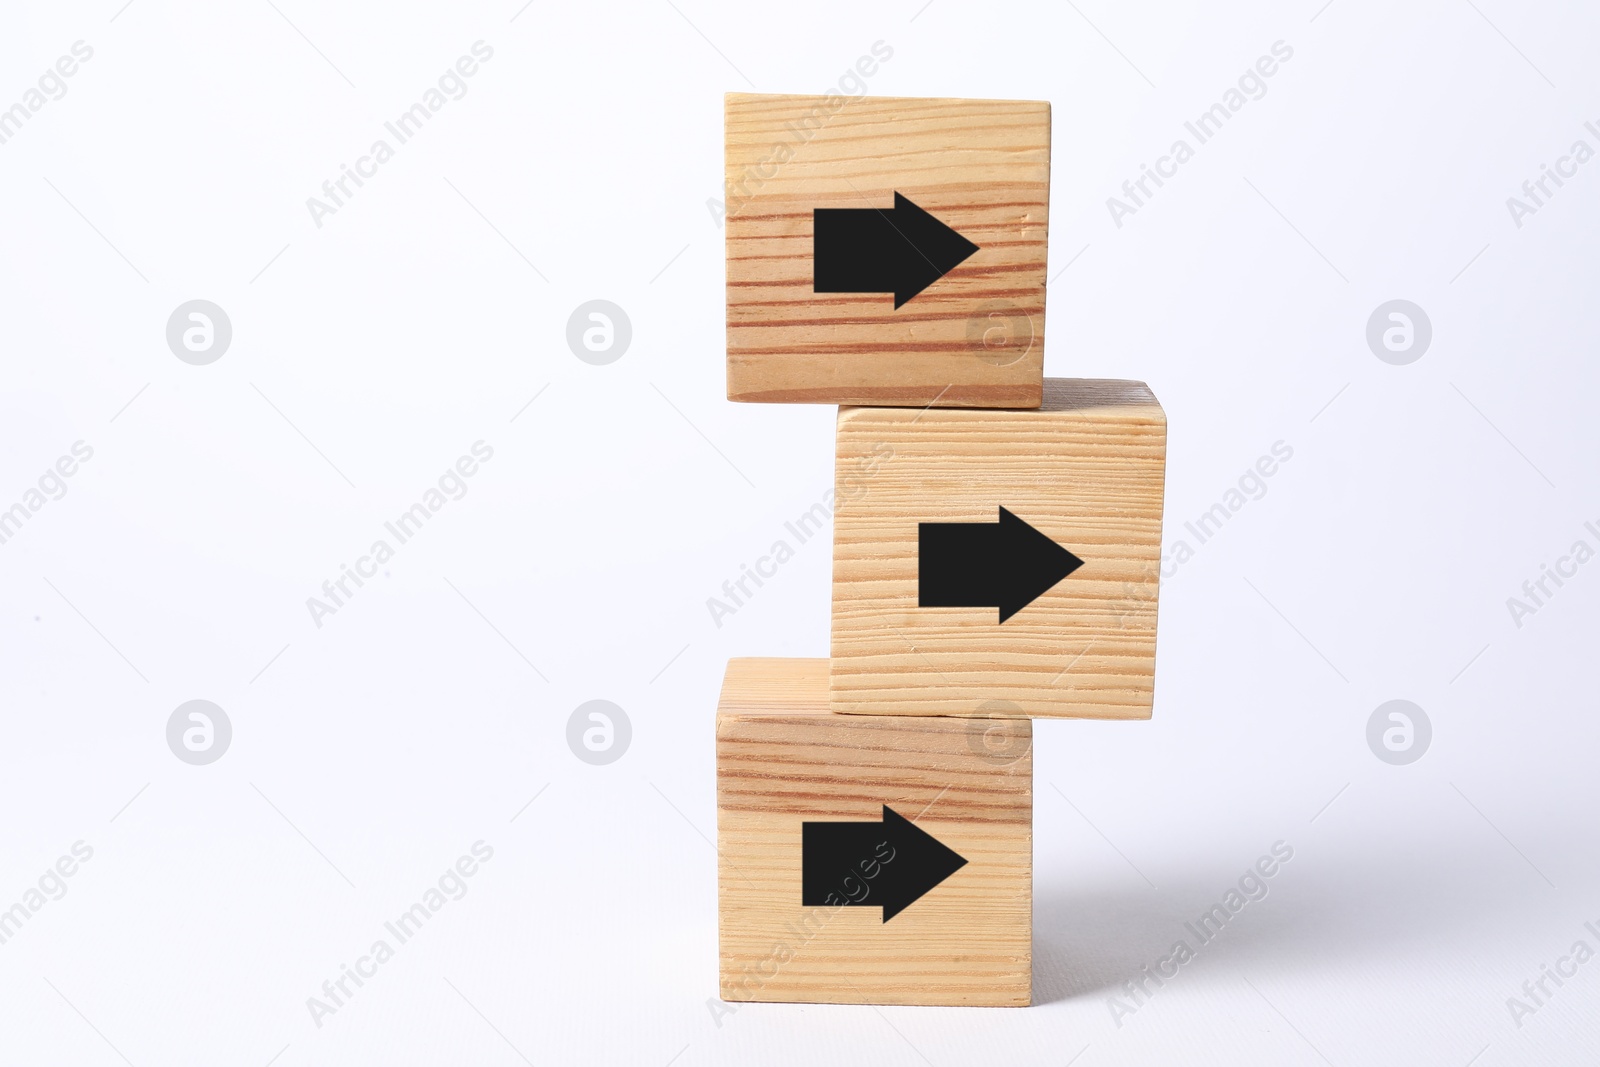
851,273
876,860
1000,560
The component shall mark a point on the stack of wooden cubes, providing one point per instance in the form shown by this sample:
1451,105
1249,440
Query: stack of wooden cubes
996,550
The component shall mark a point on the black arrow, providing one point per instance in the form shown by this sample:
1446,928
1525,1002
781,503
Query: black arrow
865,864
869,250
1007,564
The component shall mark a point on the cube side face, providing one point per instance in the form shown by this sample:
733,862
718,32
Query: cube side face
968,783
974,337
1087,470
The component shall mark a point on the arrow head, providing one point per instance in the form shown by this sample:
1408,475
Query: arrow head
921,861
929,251
1029,565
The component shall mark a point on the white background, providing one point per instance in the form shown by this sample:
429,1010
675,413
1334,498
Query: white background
368,354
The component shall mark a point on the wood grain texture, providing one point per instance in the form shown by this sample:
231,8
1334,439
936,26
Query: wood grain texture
1087,469
784,759
975,338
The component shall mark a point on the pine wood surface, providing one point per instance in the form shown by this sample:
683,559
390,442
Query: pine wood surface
1087,469
975,337
784,759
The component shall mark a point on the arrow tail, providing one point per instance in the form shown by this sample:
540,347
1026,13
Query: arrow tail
831,858
954,564
852,251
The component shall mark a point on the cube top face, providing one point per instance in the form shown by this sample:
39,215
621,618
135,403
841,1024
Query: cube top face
947,521
783,762
849,224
